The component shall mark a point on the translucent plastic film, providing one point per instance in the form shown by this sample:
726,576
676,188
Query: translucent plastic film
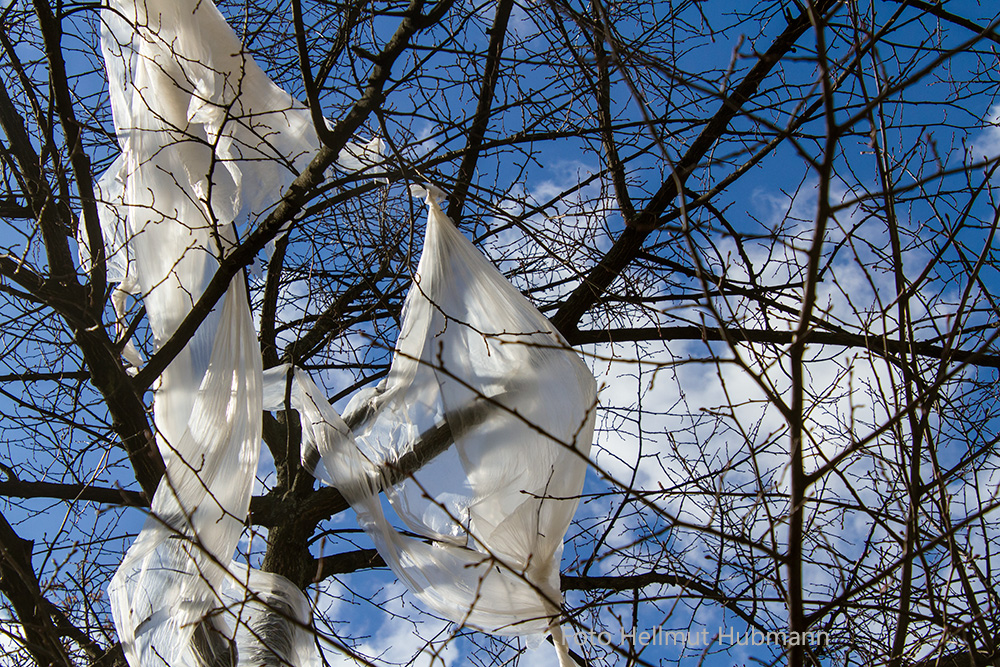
493,414
477,365
206,139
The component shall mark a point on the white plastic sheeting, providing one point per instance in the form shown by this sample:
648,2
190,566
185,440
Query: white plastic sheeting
482,391
499,410
206,140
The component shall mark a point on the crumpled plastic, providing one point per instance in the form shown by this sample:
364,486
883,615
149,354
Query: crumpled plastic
478,436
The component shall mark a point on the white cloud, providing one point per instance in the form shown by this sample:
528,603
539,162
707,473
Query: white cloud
708,430
398,641
986,145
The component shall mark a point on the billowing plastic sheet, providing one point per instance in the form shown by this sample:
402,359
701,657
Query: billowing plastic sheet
494,412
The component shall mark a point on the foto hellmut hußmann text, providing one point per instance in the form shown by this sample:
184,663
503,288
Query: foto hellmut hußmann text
659,636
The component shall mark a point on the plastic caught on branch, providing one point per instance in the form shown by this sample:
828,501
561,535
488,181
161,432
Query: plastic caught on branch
479,437
207,139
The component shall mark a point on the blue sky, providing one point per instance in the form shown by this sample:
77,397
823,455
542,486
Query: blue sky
770,197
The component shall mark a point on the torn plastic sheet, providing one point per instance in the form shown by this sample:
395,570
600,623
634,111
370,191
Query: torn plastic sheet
495,412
